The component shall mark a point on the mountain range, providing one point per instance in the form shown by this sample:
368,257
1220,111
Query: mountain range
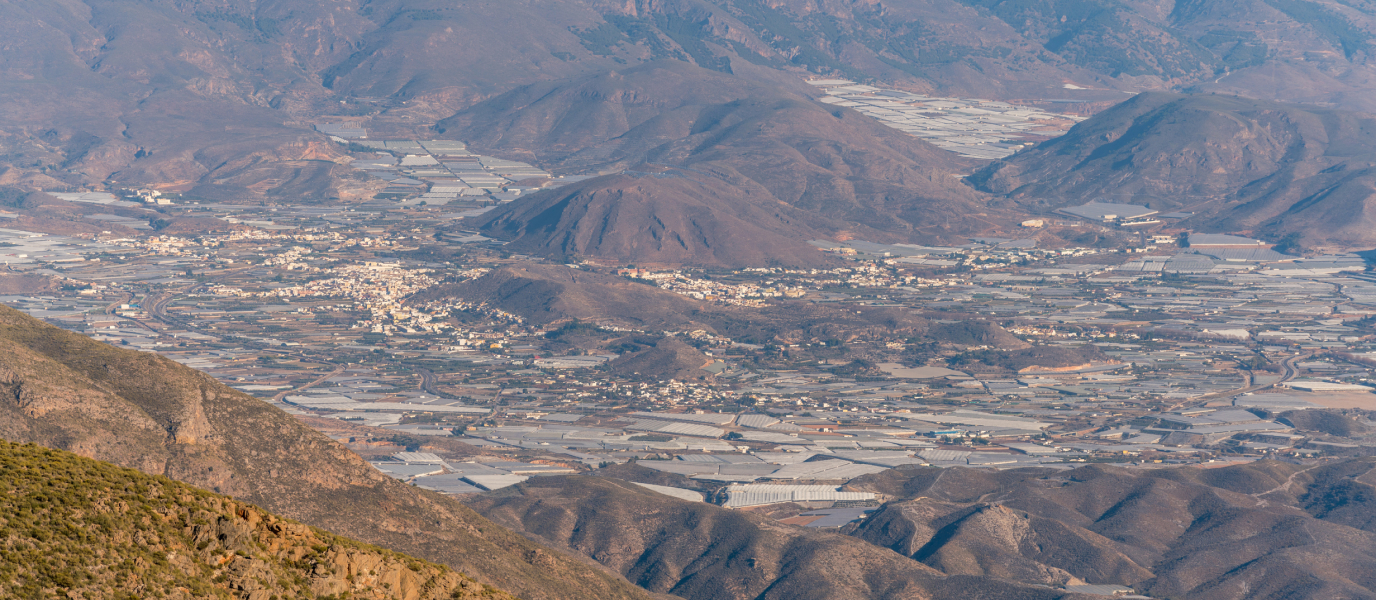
703,552
186,95
1266,529
1262,530
689,136
722,170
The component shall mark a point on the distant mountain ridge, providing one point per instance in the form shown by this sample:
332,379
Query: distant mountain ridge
716,171
219,98
1241,164
1258,530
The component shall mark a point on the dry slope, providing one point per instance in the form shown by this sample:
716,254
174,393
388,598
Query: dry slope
703,552
1242,164
144,411
1262,530
79,528
716,170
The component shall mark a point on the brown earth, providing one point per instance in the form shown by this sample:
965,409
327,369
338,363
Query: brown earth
144,411
1243,165
662,358
1259,530
1038,358
703,552
19,283
668,217
119,533
713,171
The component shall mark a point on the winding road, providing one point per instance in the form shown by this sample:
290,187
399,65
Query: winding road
428,381
1290,372
283,394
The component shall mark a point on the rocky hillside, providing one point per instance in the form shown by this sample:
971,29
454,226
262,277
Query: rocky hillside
1243,165
143,411
79,528
543,294
660,358
1262,530
1258,530
700,551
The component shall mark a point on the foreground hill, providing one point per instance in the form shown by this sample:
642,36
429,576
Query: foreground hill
140,410
703,552
80,528
717,171
1262,530
1242,164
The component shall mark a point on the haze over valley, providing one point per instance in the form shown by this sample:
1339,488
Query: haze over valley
697,299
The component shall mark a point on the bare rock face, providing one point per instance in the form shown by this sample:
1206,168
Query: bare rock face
192,427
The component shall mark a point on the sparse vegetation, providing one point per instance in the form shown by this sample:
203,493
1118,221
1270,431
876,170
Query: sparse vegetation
71,527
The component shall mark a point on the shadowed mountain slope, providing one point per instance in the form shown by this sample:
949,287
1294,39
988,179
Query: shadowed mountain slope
1262,530
703,552
1242,164
743,173
80,528
144,411
552,121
